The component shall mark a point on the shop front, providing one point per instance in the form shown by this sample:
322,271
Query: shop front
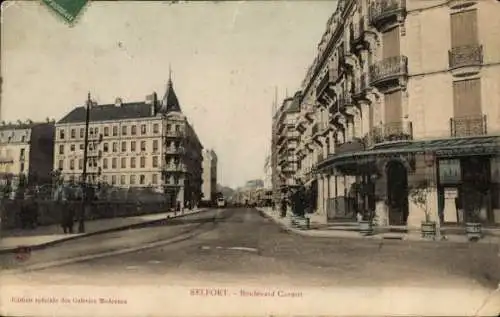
462,177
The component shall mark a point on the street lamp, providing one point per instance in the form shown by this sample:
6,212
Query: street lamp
81,222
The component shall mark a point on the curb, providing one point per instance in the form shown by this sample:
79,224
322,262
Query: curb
306,233
45,245
186,235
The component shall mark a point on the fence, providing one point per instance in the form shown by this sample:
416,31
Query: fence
50,212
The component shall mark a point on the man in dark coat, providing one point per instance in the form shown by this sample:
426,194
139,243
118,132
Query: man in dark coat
283,208
298,202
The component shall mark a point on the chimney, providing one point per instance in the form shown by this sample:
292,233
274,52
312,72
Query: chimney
118,102
152,101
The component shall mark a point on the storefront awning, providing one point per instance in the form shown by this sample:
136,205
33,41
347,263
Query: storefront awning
450,147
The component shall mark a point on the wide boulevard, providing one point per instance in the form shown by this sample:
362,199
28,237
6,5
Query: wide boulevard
241,247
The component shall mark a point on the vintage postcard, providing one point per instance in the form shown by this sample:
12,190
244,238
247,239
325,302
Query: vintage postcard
250,158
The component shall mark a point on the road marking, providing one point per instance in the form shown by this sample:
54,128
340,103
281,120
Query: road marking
205,247
154,262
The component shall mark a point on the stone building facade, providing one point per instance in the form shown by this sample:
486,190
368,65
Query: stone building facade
209,186
26,151
285,141
147,144
402,92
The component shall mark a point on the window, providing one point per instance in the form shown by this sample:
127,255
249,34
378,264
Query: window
393,109
104,179
132,162
72,147
113,179
169,127
133,130
142,179
155,179
105,147
104,163
115,130
115,147
61,149
61,164
122,179
123,162
143,146
73,133
467,98
106,131
124,130
71,164
96,131
156,128
155,161
155,146
143,162
132,146
124,146
391,43
82,132
80,164
113,162
81,146
132,179
177,128
23,139
176,180
21,155
464,28
143,129
61,134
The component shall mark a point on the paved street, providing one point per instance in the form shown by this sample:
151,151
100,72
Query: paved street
239,246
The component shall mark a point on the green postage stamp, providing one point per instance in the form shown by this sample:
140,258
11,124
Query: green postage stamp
67,9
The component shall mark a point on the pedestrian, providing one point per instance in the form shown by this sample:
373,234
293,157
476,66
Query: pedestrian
24,214
283,208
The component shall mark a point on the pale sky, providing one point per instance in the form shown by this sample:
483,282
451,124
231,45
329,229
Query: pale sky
226,60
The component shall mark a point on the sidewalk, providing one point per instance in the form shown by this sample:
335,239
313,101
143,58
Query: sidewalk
44,236
349,230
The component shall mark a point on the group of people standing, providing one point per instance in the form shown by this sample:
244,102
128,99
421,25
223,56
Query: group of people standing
298,201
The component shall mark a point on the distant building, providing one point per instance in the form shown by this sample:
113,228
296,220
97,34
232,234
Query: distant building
285,140
209,186
26,151
134,145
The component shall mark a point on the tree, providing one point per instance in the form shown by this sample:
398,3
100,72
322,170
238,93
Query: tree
419,194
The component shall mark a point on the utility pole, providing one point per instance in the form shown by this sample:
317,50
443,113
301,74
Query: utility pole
81,223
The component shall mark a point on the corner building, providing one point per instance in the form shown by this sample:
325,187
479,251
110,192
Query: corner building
402,91
134,145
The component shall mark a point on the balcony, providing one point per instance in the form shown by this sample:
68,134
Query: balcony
386,13
389,132
175,168
358,41
95,137
465,60
389,72
175,150
468,126
94,153
323,85
174,134
360,87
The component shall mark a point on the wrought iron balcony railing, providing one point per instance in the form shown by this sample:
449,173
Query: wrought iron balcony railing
467,55
468,126
323,84
360,85
382,10
389,132
175,168
174,134
175,150
388,69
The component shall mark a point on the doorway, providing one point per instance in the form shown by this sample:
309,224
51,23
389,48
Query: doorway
397,193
